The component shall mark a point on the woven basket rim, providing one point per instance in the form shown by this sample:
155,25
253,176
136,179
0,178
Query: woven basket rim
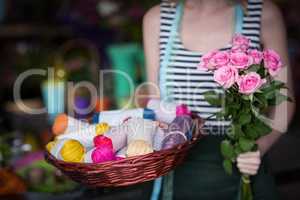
134,159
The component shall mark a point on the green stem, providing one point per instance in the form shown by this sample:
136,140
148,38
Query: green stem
246,190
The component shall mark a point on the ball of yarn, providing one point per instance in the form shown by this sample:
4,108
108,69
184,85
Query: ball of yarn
50,146
102,128
101,140
140,129
118,136
60,124
182,110
72,151
103,154
64,124
173,139
138,147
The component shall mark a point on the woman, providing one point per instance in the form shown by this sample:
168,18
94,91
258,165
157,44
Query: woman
208,25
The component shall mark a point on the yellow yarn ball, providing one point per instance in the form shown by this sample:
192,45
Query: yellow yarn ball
102,128
50,145
138,147
72,151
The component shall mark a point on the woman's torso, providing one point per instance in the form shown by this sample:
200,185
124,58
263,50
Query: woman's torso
184,82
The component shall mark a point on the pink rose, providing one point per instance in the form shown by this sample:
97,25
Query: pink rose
256,55
272,62
205,61
226,76
220,59
240,60
240,43
250,83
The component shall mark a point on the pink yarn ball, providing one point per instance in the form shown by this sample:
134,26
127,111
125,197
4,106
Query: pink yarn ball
103,154
182,110
101,140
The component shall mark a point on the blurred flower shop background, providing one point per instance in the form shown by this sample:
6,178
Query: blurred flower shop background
76,39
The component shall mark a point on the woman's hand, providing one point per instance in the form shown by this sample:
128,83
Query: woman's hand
249,163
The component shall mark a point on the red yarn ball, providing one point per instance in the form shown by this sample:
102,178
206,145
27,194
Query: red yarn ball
101,140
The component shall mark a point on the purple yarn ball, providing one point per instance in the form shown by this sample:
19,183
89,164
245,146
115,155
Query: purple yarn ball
173,139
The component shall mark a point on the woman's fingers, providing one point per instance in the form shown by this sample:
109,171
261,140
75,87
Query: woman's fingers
249,160
248,163
248,167
248,172
250,154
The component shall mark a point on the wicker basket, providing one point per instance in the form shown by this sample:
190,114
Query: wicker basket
128,171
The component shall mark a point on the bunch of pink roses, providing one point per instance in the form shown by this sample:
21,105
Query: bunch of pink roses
247,77
232,67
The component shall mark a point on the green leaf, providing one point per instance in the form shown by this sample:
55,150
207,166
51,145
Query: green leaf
246,109
271,89
220,115
259,116
251,132
237,150
230,133
227,150
245,118
237,129
261,71
229,97
235,106
245,97
261,99
212,98
256,129
270,94
227,164
246,144
261,128
253,68
278,99
227,111
251,97
278,84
